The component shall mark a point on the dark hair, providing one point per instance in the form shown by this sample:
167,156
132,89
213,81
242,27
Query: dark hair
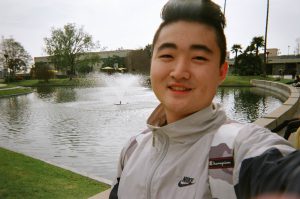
203,11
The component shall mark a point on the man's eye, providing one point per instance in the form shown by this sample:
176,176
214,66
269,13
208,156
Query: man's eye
200,58
166,56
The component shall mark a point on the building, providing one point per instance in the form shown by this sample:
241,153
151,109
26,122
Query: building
288,64
272,52
96,67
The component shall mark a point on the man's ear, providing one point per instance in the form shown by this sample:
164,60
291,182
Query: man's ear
223,71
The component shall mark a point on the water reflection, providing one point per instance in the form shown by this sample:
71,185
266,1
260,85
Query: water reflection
13,115
246,104
57,94
251,104
83,129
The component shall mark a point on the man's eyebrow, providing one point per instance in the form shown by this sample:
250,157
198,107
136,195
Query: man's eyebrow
201,47
193,47
167,45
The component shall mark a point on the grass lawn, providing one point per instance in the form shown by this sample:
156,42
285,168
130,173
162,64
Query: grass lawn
78,82
25,177
232,80
14,91
55,82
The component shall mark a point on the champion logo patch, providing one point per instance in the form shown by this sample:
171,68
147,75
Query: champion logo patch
186,181
221,163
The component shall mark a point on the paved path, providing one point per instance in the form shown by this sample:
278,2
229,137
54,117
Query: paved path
11,88
2,85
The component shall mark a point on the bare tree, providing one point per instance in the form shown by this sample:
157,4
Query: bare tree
14,56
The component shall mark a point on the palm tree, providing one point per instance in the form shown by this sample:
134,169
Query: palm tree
250,49
236,48
257,42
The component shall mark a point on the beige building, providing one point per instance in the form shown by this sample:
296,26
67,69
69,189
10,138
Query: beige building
103,54
289,64
272,52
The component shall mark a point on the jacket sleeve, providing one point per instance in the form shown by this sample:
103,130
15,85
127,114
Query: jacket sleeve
270,173
266,164
124,156
114,189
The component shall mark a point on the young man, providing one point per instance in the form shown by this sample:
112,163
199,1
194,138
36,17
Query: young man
191,149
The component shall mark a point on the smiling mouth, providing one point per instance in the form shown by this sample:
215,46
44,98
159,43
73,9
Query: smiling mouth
180,89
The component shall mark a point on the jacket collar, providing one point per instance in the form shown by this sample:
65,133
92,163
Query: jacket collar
201,122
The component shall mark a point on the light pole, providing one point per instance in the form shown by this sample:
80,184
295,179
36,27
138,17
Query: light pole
288,49
224,7
266,38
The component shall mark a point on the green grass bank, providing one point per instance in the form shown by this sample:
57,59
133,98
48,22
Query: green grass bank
232,80
24,86
29,178
79,82
14,91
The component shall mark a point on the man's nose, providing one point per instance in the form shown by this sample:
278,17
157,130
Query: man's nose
180,69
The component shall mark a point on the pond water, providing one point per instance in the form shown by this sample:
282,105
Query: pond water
85,128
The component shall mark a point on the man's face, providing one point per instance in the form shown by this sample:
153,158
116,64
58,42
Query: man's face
185,68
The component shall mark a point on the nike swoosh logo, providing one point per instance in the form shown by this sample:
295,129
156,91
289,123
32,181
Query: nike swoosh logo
184,184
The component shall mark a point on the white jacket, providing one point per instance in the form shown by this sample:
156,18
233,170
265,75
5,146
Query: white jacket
171,161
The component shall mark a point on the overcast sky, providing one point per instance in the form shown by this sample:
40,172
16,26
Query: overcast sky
130,24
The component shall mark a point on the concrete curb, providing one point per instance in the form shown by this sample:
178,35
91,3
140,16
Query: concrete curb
284,112
99,179
102,195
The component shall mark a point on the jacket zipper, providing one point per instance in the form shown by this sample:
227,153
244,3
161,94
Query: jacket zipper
157,163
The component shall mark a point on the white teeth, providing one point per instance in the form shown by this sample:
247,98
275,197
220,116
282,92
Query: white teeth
179,88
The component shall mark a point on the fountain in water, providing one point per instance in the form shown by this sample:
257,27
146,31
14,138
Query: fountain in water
120,84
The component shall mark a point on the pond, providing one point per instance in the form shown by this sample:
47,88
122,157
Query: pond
85,128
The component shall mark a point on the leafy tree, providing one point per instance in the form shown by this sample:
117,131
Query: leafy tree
66,45
86,62
148,49
247,64
42,71
15,57
257,43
